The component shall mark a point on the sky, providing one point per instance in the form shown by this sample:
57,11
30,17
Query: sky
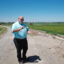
32,10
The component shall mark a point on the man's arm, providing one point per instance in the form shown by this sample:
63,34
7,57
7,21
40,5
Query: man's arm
16,30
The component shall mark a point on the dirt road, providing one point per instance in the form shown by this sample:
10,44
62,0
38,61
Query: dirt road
43,49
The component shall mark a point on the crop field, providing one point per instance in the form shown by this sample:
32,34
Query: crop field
53,28
49,27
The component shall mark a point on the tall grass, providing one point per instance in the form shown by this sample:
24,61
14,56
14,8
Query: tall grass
53,28
2,30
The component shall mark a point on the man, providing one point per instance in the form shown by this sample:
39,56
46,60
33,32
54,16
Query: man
19,29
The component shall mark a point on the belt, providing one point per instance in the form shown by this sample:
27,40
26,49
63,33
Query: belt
19,38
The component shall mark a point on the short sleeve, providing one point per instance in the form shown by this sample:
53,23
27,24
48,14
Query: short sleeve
27,29
13,27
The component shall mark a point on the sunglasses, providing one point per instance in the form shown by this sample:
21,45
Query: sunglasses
21,19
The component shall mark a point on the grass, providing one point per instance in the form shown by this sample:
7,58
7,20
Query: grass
6,24
2,30
53,28
49,27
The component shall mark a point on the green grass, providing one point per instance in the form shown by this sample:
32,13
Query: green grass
2,30
53,28
49,27
6,24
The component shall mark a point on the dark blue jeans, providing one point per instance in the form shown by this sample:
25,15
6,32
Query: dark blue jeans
21,44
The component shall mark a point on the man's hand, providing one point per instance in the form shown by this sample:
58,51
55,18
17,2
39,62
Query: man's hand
29,32
16,30
22,27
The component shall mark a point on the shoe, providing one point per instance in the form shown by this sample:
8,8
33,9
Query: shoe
25,60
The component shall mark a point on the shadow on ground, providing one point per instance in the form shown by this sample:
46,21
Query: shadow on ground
33,59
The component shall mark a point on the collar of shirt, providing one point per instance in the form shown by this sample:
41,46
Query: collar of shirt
20,23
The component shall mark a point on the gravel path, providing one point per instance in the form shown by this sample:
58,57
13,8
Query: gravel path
43,49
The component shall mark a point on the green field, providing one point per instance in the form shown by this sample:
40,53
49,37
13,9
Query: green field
49,27
53,28
2,30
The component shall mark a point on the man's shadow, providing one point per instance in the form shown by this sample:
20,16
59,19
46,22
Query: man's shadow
33,59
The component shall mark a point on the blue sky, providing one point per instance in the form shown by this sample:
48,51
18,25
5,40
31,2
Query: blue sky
32,10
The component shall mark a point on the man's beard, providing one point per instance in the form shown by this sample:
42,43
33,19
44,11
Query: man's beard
21,22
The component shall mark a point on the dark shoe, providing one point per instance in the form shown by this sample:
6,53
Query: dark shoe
25,60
